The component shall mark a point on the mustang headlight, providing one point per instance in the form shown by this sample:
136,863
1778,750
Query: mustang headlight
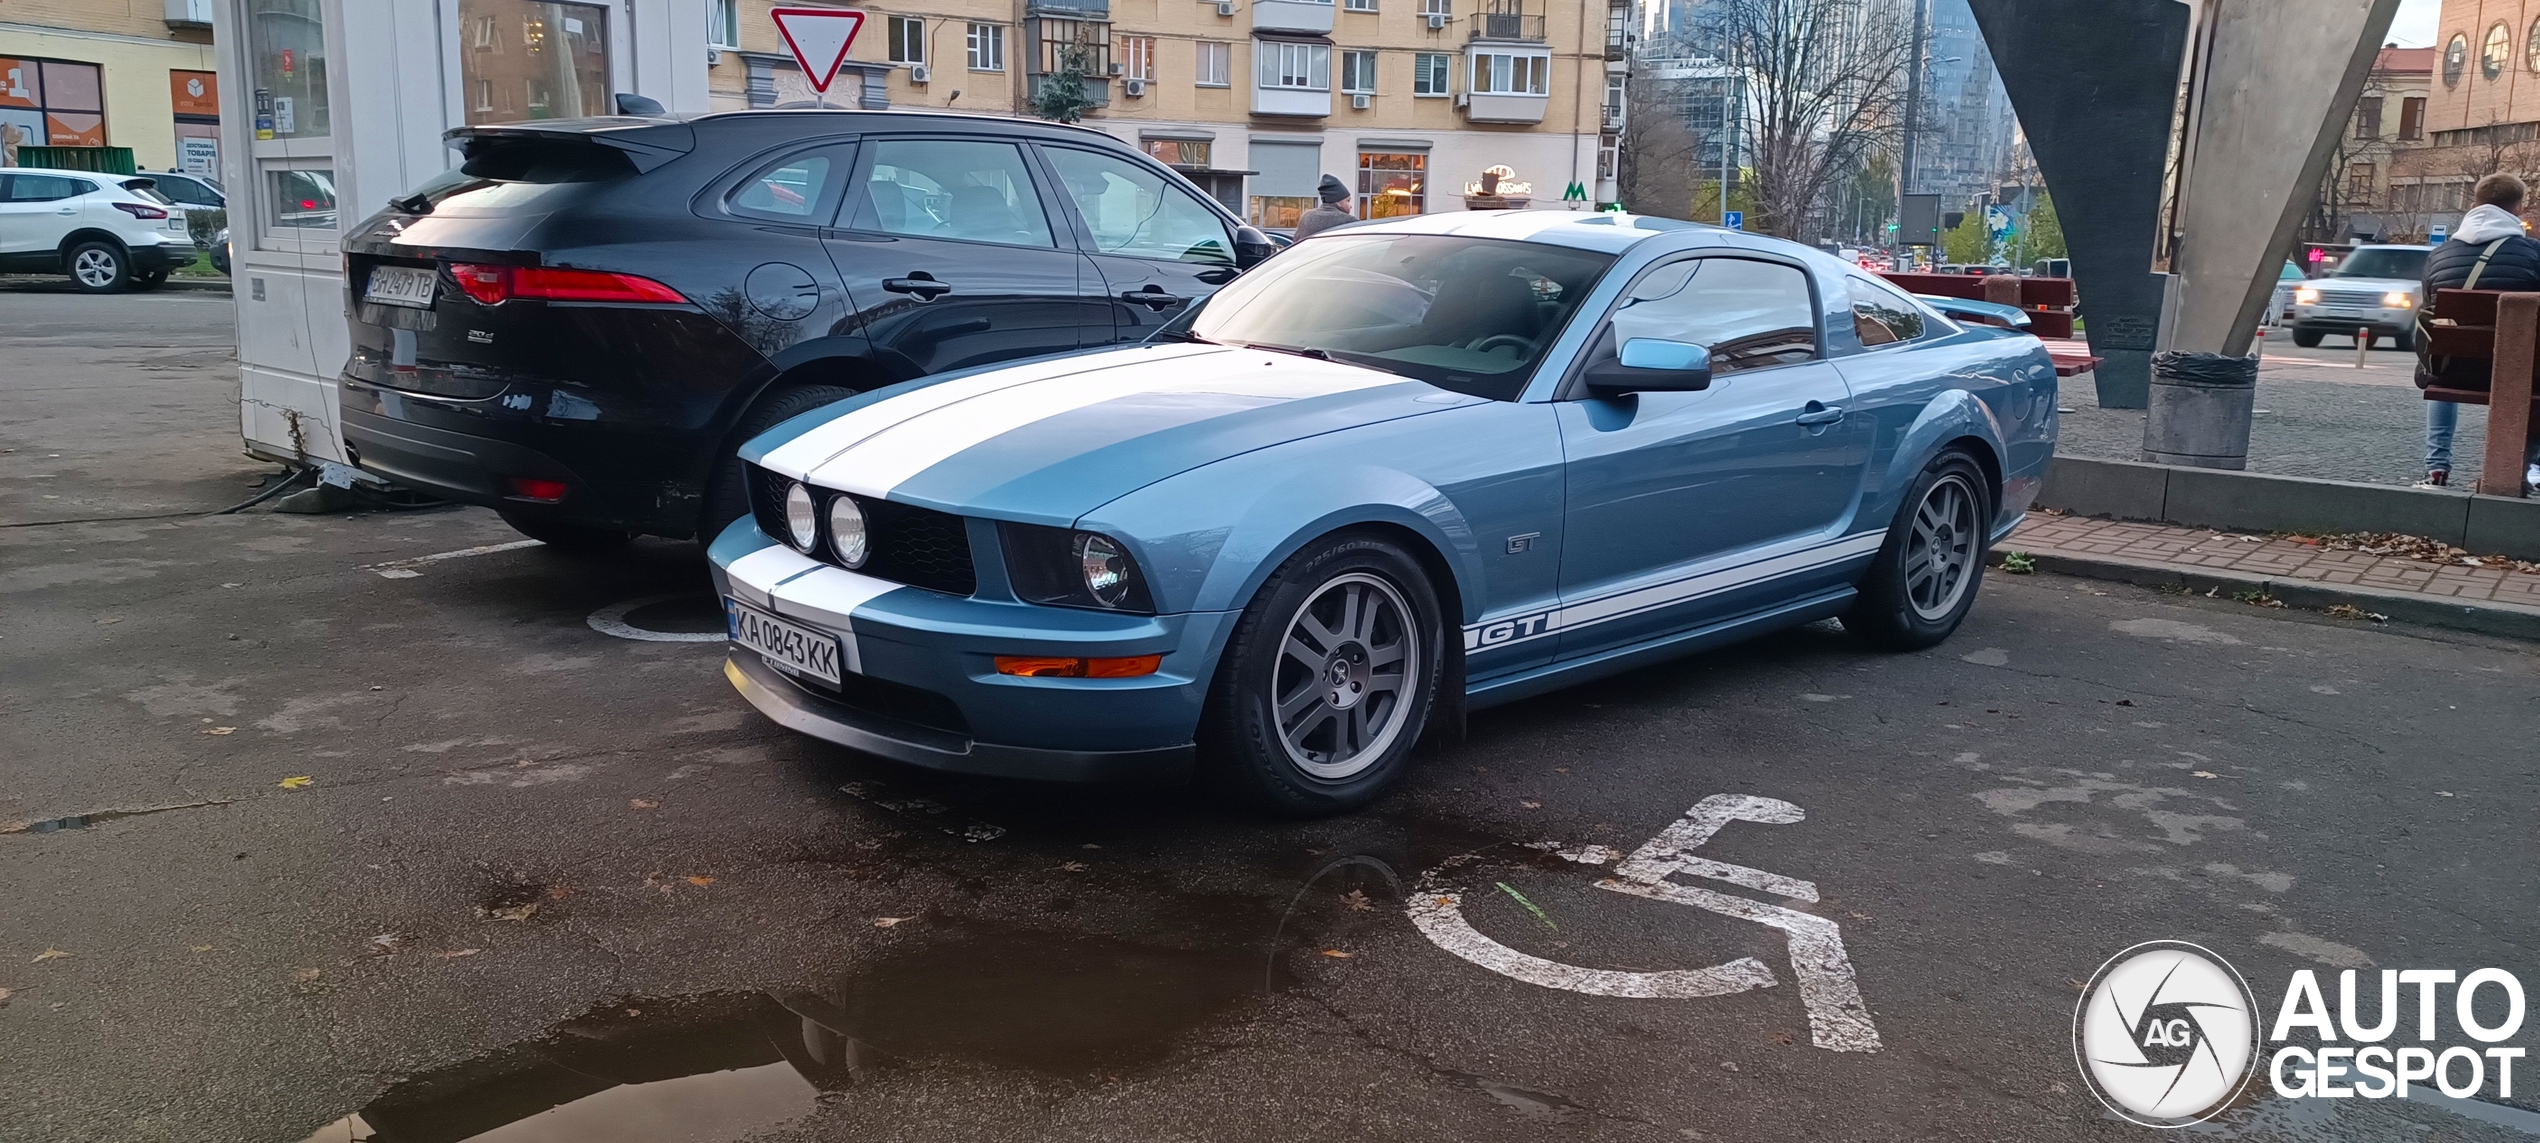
1068,568
847,536
802,517
2306,295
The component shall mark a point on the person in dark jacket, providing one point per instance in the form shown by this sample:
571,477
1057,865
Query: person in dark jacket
1331,213
2489,251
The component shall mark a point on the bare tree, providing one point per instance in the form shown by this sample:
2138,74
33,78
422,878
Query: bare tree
1660,150
1825,91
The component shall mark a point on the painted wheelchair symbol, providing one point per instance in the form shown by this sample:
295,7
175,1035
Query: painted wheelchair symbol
1838,1020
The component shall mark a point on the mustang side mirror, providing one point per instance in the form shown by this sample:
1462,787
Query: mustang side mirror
1252,247
1652,365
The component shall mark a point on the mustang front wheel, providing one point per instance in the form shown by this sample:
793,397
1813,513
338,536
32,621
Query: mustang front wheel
1925,576
1326,684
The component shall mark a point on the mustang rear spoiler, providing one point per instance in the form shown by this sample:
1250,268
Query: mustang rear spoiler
1985,313
646,141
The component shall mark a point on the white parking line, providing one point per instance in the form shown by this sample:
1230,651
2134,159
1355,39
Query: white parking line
399,569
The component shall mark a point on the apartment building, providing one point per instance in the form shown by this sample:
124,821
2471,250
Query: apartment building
1409,102
130,74
2478,119
2376,189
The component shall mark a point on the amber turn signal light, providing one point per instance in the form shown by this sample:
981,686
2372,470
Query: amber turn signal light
1058,667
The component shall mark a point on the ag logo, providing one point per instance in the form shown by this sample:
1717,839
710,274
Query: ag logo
2165,1034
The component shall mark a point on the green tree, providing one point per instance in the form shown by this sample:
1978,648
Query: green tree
2044,235
1706,200
1061,96
1968,241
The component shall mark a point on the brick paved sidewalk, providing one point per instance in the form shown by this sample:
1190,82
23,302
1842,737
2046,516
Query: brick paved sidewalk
2493,599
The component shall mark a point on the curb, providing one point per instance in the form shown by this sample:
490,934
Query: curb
2257,502
200,285
2510,620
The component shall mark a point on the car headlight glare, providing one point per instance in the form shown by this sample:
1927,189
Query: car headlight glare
2398,300
1105,566
802,518
2306,295
846,532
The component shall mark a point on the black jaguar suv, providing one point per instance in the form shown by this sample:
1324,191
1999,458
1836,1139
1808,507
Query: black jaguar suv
579,324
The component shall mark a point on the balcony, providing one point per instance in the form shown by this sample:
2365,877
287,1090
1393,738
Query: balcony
1503,21
1294,102
1292,16
1504,107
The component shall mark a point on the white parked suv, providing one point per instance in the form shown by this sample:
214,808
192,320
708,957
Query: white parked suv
108,232
2375,288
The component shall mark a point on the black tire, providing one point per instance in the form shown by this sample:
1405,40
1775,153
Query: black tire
150,281
727,498
565,536
1366,736
1899,607
2307,338
98,267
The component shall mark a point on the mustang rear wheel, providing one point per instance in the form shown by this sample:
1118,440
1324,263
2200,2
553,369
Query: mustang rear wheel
1326,683
1924,578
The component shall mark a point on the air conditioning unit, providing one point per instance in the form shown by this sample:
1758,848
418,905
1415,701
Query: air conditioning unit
1360,102
1225,7
1463,99
1115,71
919,73
714,57
1437,20
1135,88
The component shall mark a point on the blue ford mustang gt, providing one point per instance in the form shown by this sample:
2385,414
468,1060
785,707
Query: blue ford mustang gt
1398,472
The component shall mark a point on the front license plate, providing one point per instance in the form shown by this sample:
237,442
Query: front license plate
401,286
790,646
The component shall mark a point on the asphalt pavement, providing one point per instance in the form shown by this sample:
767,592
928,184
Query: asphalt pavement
383,825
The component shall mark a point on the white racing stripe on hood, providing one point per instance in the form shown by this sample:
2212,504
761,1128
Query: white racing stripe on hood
880,461
796,458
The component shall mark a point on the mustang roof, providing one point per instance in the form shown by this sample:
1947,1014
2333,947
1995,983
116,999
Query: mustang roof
1604,233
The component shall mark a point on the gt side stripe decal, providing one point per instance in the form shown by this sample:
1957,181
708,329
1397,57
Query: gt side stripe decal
829,596
1497,633
880,462
796,458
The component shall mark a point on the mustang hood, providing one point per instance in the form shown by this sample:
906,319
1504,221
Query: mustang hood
1047,441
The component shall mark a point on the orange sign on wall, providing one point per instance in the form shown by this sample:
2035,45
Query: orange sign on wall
195,93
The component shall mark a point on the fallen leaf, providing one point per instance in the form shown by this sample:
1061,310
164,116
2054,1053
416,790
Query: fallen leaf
890,922
559,892
1560,769
642,804
221,730
4,997
1728,1065
199,948
2204,774
296,783
1784,1038
701,882
454,954
1357,900
2445,794
515,913
1073,866
308,974
1337,954
1531,805
49,953
2056,1088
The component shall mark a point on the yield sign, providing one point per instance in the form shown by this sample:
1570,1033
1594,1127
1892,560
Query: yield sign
819,39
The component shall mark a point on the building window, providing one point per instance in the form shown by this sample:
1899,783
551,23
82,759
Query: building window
2412,118
1279,211
1437,8
987,47
723,24
2455,57
286,59
1391,183
1359,5
560,72
1137,57
1500,73
2491,56
907,40
1428,73
1358,73
2368,118
1064,43
53,103
1214,63
1296,67
1180,152
1613,101
2359,183
1608,148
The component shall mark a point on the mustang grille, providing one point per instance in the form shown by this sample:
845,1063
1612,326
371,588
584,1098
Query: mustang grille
916,546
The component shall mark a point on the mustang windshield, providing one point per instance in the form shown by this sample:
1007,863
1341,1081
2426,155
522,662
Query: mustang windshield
1470,314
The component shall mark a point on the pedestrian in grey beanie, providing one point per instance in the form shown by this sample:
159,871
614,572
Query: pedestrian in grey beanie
1328,215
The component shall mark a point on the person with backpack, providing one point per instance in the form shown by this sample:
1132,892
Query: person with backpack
2490,250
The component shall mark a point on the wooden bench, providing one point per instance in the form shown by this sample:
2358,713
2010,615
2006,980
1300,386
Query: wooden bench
2503,329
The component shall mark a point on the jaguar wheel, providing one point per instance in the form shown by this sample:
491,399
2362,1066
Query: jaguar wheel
1326,684
728,496
1925,575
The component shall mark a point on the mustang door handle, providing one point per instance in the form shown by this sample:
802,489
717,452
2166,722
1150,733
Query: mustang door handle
919,284
1152,298
1817,414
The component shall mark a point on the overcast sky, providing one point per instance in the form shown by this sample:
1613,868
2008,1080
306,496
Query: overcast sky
2414,27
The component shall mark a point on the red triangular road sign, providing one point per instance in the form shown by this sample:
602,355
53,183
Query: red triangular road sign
819,38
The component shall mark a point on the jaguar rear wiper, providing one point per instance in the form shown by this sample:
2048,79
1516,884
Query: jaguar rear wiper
1299,350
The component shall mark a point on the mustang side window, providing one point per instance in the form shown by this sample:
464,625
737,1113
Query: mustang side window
1881,316
1749,314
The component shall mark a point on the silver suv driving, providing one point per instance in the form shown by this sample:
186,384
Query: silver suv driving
2375,288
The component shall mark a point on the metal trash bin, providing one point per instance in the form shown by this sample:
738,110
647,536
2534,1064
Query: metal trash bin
2200,410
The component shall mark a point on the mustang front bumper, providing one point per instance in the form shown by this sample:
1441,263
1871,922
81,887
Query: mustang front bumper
921,684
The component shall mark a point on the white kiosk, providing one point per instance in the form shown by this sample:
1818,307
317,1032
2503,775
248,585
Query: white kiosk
329,107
